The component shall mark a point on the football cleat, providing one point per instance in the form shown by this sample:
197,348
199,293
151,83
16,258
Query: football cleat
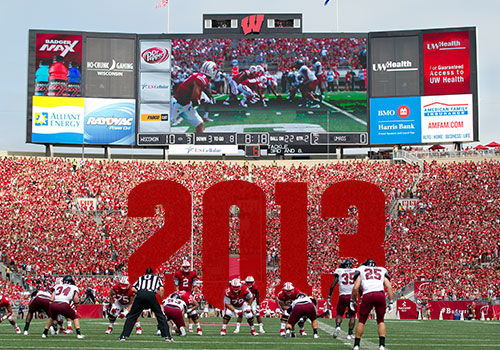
282,332
18,331
109,330
355,347
350,336
316,336
26,333
223,332
381,347
303,333
288,333
243,104
190,329
226,103
254,333
199,331
169,340
67,331
158,332
262,331
122,339
80,336
44,336
138,330
336,332
236,330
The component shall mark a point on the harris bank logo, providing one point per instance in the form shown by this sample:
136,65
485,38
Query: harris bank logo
41,119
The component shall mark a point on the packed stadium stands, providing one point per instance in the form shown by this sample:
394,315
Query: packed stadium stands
452,239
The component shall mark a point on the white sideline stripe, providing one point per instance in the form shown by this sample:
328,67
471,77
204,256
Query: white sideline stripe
343,338
347,114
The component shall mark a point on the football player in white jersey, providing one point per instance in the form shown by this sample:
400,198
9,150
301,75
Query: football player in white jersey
344,277
371,279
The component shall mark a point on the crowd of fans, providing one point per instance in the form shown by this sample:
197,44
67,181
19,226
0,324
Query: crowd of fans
45,234
282,53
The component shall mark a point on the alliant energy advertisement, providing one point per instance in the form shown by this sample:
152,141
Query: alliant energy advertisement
446,63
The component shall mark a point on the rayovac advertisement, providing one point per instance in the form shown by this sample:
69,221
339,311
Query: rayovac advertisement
446,63
58,60
109,121
395,120
57,119
447,118
78,120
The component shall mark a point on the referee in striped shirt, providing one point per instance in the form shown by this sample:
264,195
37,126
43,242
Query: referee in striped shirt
145,289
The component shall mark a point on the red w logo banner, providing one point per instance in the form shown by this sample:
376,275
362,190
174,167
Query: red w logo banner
252,24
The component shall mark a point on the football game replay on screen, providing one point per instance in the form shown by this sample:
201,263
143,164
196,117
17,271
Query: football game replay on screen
307,84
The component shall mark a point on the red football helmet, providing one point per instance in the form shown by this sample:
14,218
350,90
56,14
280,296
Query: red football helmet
235,284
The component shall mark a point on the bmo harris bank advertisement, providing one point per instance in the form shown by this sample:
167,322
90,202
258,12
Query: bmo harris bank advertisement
395,120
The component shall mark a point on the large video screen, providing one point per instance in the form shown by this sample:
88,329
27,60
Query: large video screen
310,89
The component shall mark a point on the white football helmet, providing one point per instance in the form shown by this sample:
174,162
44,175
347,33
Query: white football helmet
249,279
253,70
288,287
235,284
209,68
186,265
260,70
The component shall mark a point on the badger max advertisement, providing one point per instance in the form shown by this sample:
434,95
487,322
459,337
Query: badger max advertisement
58,65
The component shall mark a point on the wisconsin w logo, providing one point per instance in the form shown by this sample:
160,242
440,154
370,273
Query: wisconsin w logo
252,24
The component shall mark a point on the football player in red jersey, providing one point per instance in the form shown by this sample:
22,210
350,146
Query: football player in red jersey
237,301
185,278
253,89
6,312
188,96
121,297
235,81
192,306
285,299
252,286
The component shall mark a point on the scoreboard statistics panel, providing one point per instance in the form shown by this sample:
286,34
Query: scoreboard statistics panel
267,105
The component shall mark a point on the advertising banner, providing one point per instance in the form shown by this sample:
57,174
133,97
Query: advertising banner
87,204
109,121
446,63
394,66
447,118
58,59
203,150
57,119
154,118
109,69
406,309
155,55
155,87
408,203
395,120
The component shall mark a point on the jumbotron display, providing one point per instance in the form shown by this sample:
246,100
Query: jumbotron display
279,92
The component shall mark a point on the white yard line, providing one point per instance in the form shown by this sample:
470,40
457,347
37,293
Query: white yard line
343,338
347,114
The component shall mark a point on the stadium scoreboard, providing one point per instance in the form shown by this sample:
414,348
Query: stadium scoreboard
112,89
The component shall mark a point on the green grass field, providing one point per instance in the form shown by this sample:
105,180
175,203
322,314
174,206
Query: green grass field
401,335
343,111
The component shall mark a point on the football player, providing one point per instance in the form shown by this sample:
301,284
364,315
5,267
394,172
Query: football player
320,74
6,312
188,96
344,277
372,279
191,307
302,307
285,299
64,300
237,302
121,297
174,308
308,84
40,302
236,80
252,286
185,278
253,90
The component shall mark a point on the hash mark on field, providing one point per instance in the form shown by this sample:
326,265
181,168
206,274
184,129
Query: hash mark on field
343,337
347,114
